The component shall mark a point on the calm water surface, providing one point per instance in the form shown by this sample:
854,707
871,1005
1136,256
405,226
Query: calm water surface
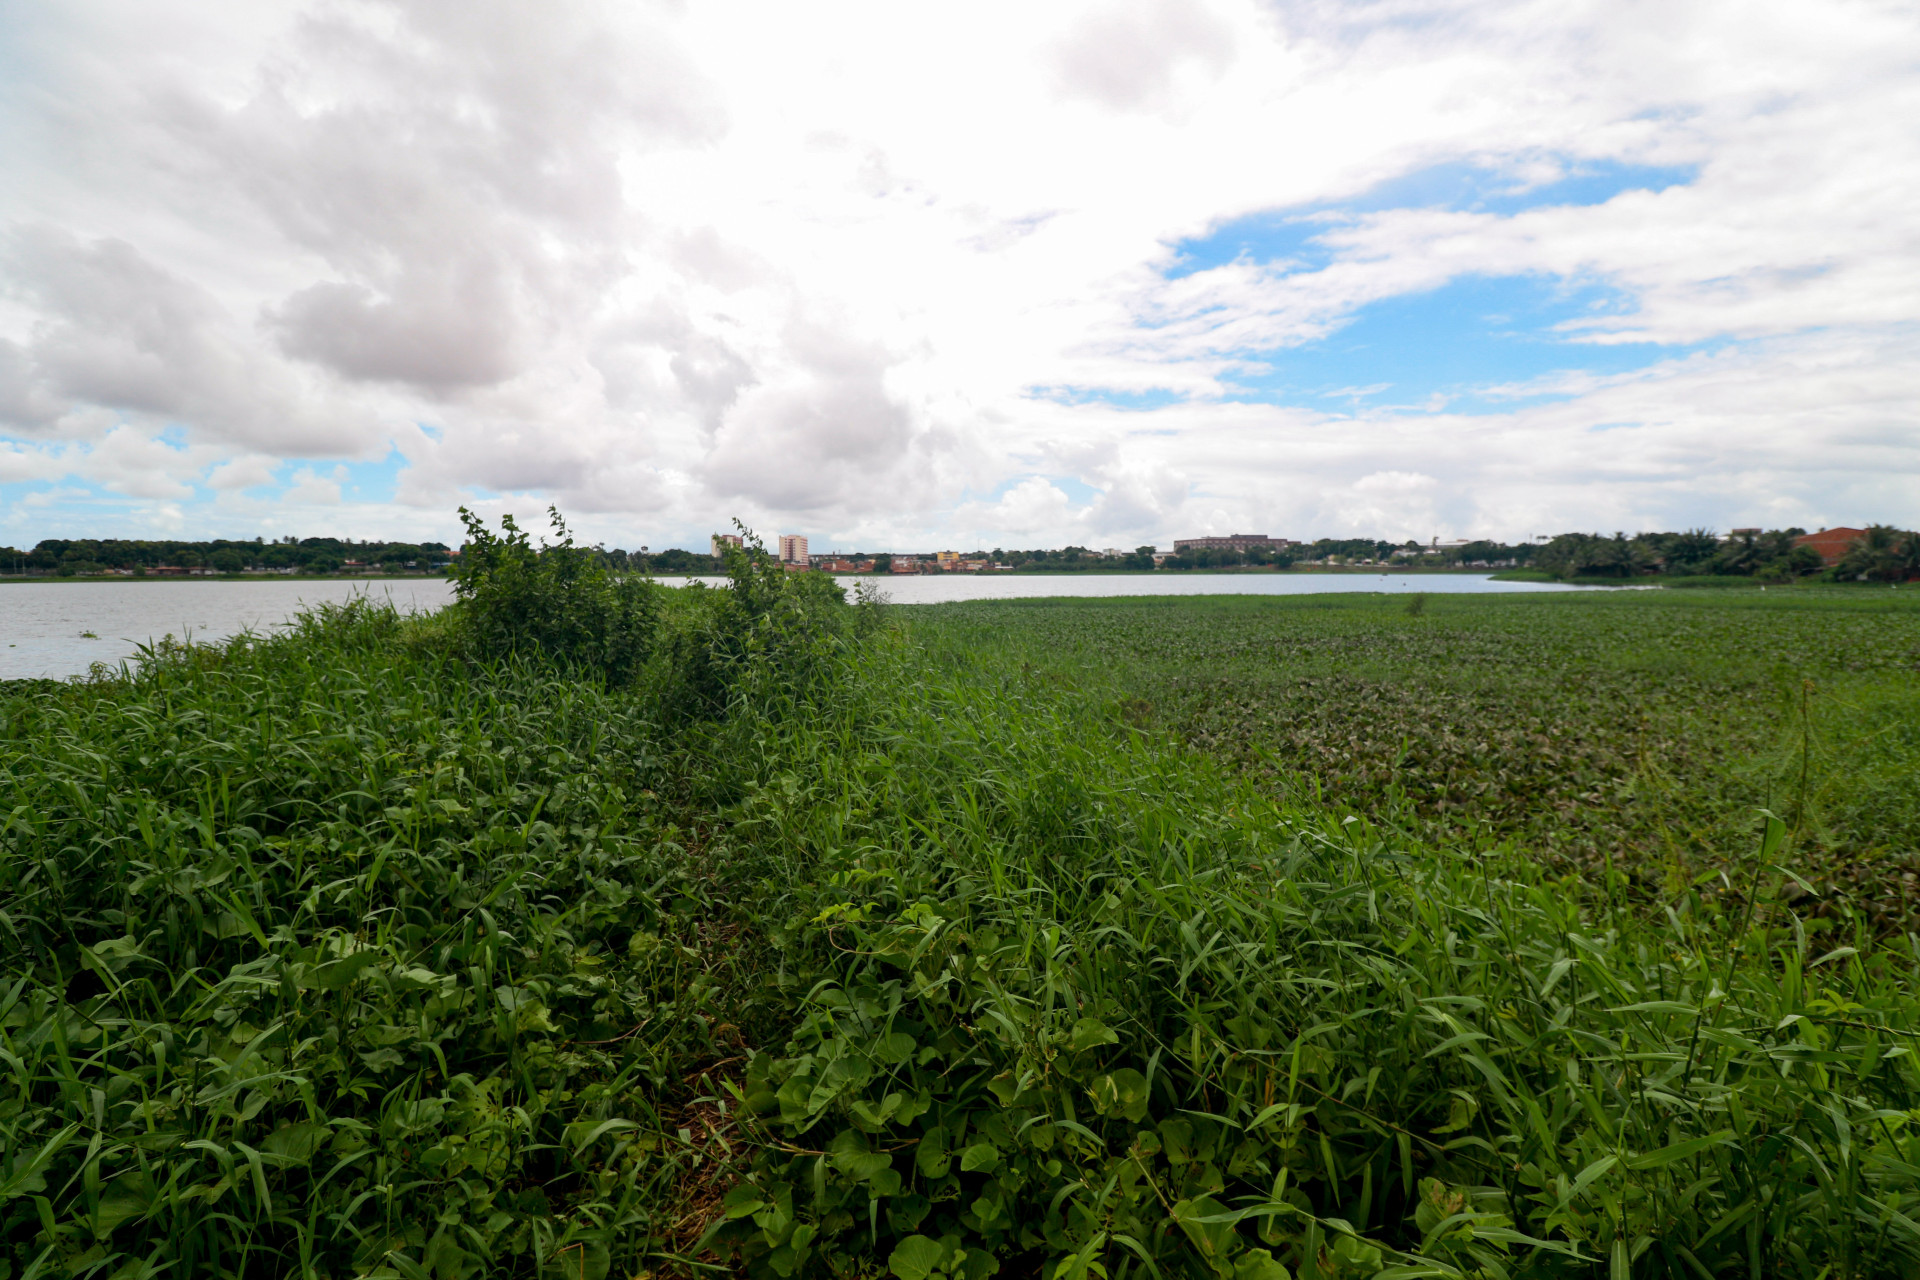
43,624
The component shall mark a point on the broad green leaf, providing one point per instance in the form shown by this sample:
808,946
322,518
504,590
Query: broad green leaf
916,1258
1122,1093
1258,1264
1090,1033
979,1158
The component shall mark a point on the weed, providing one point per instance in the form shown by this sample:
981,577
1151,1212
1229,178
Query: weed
815,945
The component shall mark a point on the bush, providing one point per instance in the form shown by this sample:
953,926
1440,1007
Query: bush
559,603
769,634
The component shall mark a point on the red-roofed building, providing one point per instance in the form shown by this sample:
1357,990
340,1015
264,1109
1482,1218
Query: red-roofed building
1831,544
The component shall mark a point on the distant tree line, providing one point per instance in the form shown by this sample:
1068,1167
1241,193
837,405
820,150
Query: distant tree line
673,562
1227,558
1884,554
82,556
1065,559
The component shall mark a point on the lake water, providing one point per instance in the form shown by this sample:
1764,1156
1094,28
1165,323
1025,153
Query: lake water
43,625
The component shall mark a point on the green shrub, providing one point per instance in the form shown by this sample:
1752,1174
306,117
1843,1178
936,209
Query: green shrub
770,634
558,603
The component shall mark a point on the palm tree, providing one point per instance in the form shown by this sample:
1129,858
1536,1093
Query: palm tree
1741,554
1904,557
1875,554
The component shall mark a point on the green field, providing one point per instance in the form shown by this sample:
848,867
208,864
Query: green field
1631,731
591,930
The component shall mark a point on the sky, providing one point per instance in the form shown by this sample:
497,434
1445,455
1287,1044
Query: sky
995,274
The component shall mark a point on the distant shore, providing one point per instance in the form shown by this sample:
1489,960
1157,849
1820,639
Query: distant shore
226,577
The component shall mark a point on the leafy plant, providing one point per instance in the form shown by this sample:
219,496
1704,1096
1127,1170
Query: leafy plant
363,951
558,602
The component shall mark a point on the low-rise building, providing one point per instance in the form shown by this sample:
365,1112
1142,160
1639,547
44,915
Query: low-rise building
1230,542
1830,544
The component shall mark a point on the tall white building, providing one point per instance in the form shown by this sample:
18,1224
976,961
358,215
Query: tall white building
793,548
721,540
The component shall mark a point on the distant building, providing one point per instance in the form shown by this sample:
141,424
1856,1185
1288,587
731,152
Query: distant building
722,541
793,549
947,559
1831,544
905,564
1230,542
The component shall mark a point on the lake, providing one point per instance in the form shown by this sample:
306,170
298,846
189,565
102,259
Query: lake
44,625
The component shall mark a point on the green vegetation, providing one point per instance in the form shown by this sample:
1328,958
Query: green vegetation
1884,554
1226,558
83,557
1068,560
766,936
1634,731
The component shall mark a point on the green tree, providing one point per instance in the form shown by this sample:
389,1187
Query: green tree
1882,554
227,560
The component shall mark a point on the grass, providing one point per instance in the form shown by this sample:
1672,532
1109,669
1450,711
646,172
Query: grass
1625,731
357,952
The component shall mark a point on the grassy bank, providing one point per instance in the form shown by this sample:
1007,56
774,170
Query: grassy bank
805,946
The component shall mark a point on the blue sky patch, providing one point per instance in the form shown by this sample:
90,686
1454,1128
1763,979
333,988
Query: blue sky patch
1153,398
1454,342
82,510
1475,189
1288,235
369,481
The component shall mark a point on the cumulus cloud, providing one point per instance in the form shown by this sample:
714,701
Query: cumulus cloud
247,472
664,263
115,330
823,432
310,490
1127,55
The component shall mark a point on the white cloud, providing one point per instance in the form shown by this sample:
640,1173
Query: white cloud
665,263
246,472
310,490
